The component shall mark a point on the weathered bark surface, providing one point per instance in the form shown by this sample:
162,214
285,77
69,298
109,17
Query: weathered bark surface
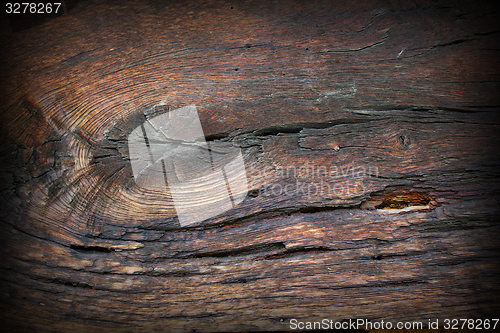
396,101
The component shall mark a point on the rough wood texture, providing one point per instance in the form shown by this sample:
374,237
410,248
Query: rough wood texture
371,143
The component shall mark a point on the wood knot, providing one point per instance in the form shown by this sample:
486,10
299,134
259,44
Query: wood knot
404,140
403,200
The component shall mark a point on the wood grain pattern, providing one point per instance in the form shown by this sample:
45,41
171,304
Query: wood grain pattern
370,137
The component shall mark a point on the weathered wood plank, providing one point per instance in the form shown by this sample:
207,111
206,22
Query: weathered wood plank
370,139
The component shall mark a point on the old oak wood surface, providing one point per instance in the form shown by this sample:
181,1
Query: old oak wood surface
370,140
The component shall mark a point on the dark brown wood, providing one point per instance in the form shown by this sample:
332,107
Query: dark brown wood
370,138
